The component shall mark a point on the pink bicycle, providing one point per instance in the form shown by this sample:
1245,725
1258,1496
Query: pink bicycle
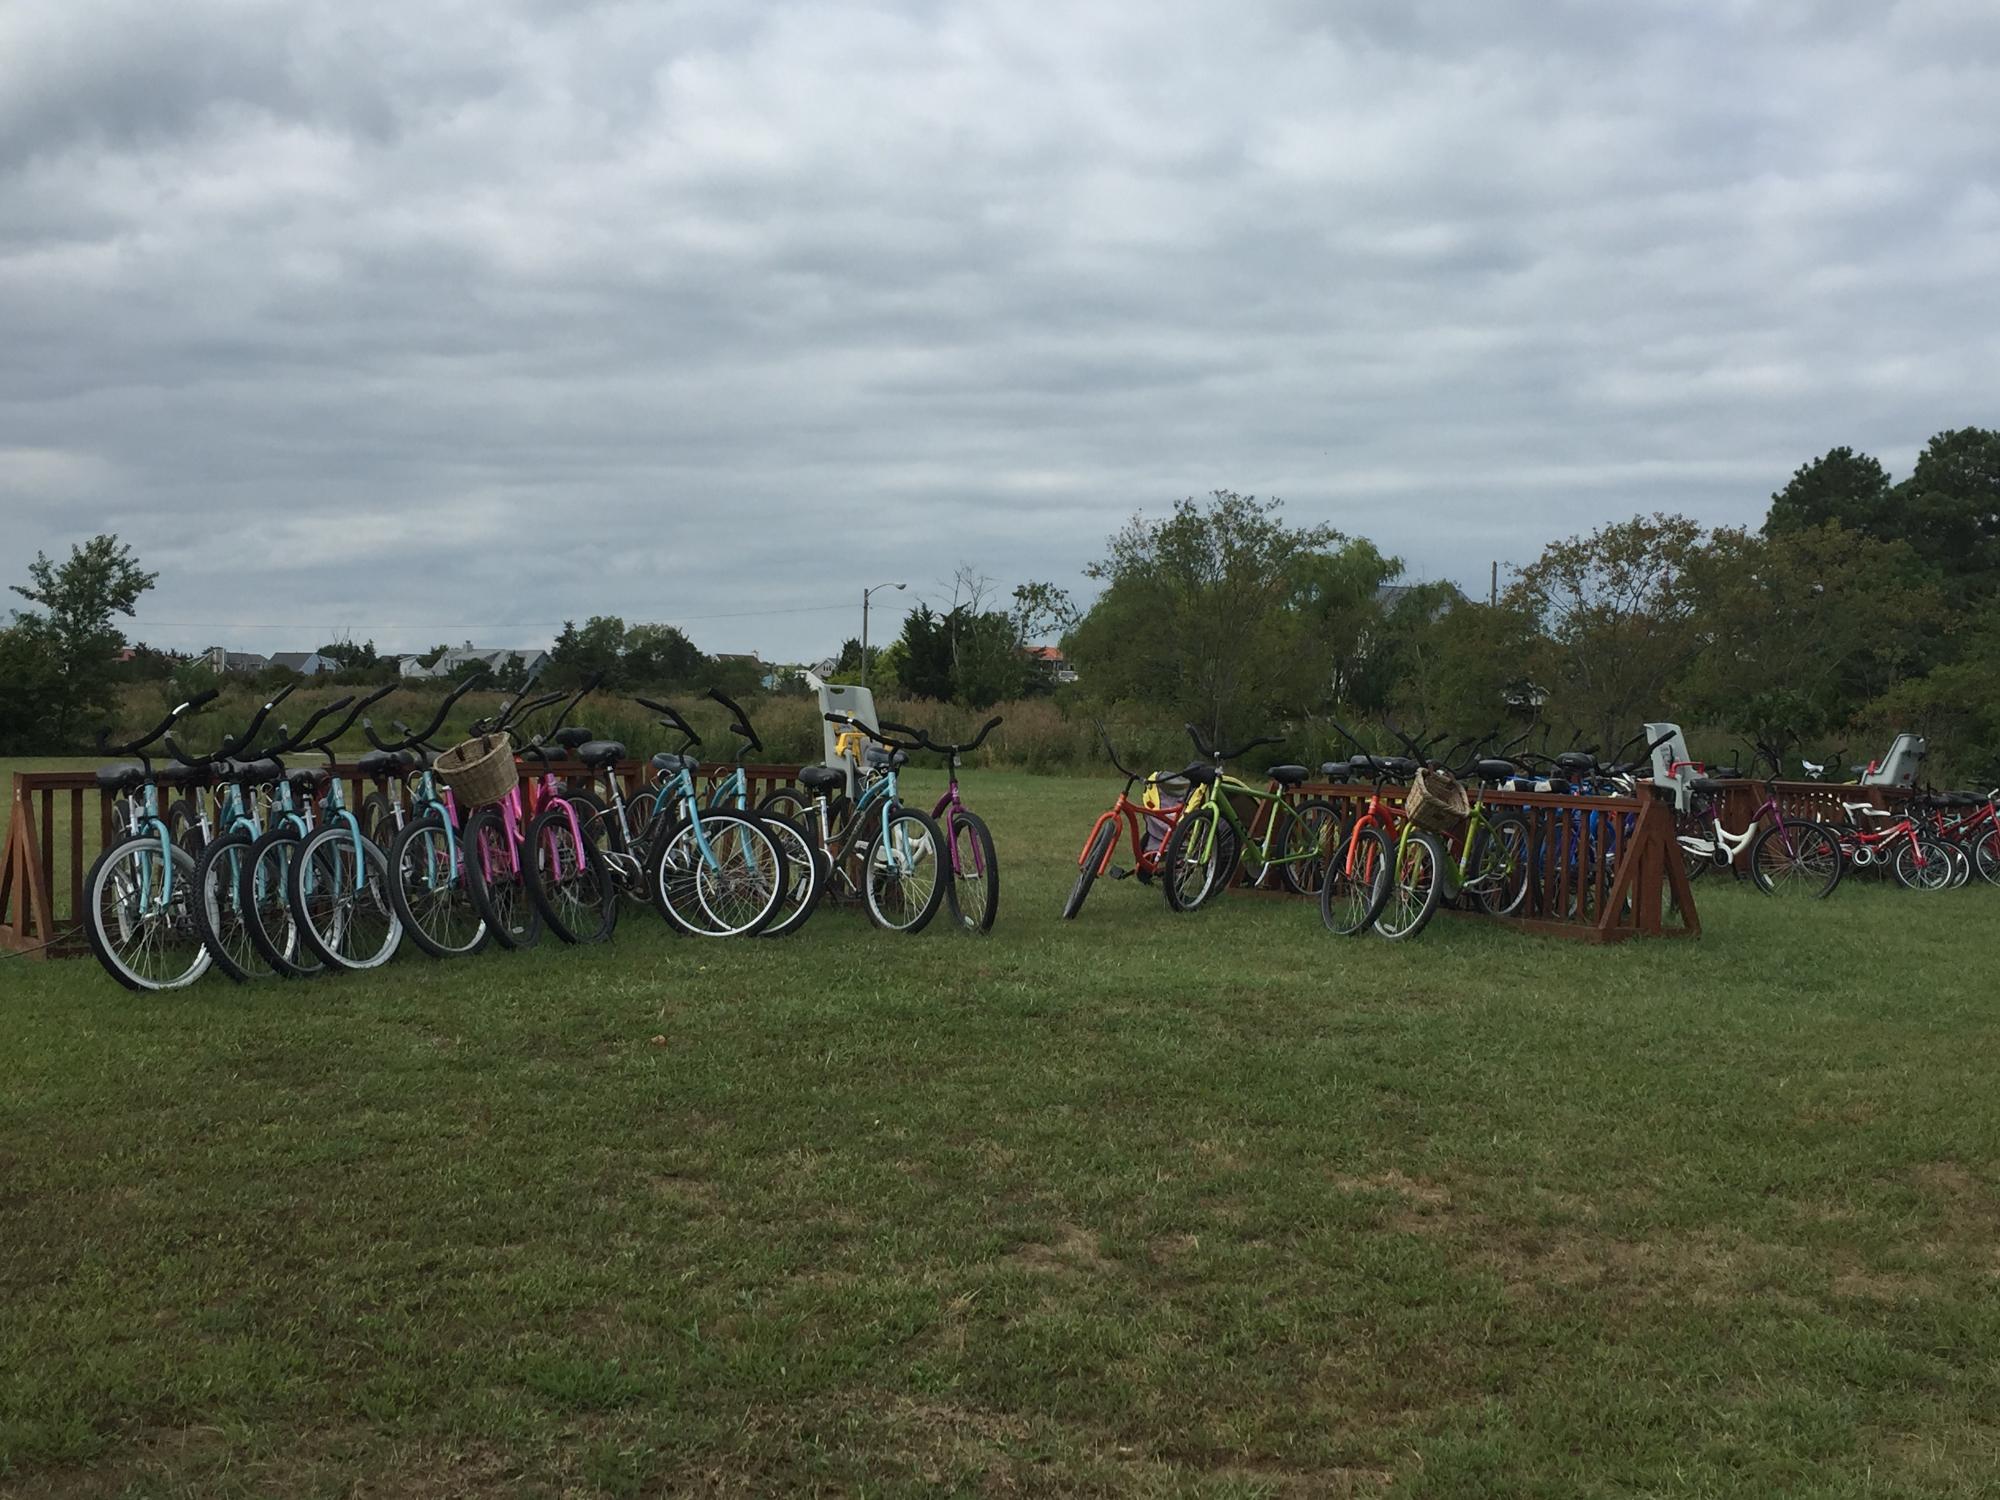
974,891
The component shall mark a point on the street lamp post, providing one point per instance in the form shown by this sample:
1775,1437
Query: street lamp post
865,594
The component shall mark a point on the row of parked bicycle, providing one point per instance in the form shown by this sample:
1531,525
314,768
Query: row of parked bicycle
242,862
1463,834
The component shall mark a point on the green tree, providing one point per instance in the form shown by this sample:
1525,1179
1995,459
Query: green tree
1842,486
596,650
661,656
1197,612
1948,510
80,598
1615,612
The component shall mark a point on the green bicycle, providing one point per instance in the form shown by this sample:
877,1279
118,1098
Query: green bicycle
1287,836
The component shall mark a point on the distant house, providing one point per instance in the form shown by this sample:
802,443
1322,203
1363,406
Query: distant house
305,663
448,664
1050,662
220,661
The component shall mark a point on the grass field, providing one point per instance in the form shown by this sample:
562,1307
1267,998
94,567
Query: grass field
1141,1205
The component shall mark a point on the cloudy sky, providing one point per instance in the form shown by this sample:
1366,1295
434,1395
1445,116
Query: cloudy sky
424,320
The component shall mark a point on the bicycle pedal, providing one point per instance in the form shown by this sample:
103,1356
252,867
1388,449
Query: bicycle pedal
1114,873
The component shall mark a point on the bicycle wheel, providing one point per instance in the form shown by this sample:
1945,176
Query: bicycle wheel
1415,885
786,802
1094,854
1193,865
1499,879
512,919
1357,882
218,911
184,822
428,888
1961,865
1307,839
338,887
1795,858
378,821
1922,866
903,871
567,877
973,891
805,875
140,918
1986,855
719,876
267,910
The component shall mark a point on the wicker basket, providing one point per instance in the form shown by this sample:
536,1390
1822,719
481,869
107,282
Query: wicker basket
1437,801
478,771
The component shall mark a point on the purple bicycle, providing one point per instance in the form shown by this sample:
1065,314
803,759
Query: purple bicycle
974,890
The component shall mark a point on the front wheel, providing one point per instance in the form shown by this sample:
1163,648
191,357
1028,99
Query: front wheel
1795,858
338,888
1986,855
1499,879
267,910
1310,838
1195,864
512,918
218,877
567,877
1095,853
805,875
1922,865
428,886
140,917
974,888
903,874
1357,882
1416,884
717,874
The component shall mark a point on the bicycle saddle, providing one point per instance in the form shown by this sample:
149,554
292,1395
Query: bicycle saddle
1494,769
822,779
670,762
119,777
570,736
599,752
1288,775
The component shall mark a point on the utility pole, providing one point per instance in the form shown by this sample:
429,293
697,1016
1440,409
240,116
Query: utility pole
1493,588
864,624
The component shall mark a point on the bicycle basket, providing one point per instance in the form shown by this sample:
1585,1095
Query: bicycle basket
1437,801
480,770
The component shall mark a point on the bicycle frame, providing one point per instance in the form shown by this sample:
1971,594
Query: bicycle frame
1137,817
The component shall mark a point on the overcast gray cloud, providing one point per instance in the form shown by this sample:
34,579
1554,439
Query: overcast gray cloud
433,319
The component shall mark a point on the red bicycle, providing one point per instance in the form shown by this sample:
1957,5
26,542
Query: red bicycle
1147,824
1916,858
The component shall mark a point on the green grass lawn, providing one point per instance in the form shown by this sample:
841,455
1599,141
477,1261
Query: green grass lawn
1138,1205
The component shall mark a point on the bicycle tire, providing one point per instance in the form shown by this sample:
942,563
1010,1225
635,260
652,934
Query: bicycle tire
805,876
1986,855
1812,867
1415,886
122,875
218,912
1183,859
1095,852
974,903
442,919
267,911
732,890
346,914
1503,895
785,801
904,900
1314,823
567,878
511,916
1356,884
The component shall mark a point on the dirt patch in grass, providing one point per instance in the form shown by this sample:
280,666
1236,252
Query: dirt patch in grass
1073,1252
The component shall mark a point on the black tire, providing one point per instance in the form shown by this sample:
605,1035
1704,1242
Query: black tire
974,901
115,887
1811,868
339,890
430,891
1416,885
378,820
1094,855
567,878
787,802
1357,882
1195,861
1313,824
218,912
184,822
266,905
805,875
900,900
511,916
1501,865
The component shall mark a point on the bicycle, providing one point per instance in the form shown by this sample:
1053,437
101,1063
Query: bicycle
338,885
1286,835
884,852
1391,888
1148,823
1489,857
242,790
427,880
973,892
139,913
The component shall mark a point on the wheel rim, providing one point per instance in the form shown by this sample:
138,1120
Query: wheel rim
1192,876
222,899
969,875
569,879
740,885
434,893
1807,868
902,874
1349,896
145,917
347,908
1412,875
507,905
272,911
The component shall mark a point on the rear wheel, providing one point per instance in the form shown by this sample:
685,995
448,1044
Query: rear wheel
1195,863
511,916
1094,854
786,802
1795,858
567,878
1357,882
428,886
1307,839
1416,883
378,820
973,890
184,819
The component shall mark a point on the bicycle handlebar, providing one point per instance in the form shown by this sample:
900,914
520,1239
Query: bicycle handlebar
415,737
200,700
1111,751
672,717
741,727
231,744
1201,744
876,734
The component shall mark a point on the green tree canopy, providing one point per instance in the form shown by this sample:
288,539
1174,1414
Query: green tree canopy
75,629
